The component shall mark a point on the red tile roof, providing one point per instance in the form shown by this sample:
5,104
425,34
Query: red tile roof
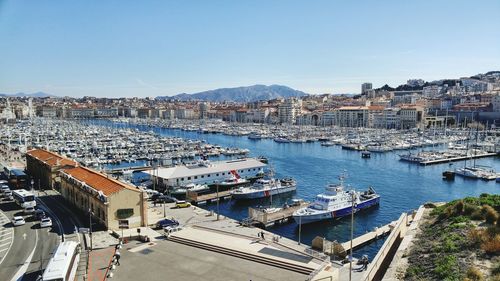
97,180
50,158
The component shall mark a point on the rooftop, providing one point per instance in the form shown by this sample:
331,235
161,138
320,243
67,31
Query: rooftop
97,180
50,158
213,167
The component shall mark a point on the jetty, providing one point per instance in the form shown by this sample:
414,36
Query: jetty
459,158
271,216
204,198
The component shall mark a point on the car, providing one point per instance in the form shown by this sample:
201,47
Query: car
18,220
4,188
7,194
167,223
182,204
155,196
164,199
29,210
45,222
39,214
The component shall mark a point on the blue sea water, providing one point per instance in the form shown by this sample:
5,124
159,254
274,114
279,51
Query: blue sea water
402,186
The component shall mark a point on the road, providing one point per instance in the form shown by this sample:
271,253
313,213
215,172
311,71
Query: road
26,249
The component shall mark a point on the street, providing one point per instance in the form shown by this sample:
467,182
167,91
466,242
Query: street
25,250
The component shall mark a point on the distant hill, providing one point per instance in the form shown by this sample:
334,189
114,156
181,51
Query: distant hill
32,95
240,94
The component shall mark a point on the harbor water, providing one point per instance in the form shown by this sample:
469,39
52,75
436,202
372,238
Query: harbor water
403,186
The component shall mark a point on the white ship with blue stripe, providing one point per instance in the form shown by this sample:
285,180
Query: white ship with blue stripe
336,203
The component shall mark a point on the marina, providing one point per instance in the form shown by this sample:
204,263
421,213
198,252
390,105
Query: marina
313,166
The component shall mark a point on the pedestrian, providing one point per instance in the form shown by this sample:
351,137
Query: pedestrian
117,257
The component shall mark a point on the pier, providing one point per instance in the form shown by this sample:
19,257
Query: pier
459,158
265,218
200,199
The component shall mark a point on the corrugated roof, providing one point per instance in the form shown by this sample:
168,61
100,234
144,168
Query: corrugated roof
214,167
97,180
51,158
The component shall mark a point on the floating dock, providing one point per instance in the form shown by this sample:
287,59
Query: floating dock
269,217
204,198
366,238
460,158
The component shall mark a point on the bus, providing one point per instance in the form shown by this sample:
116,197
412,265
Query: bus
63,263
24,198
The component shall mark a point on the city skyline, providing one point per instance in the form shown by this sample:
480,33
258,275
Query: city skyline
111,50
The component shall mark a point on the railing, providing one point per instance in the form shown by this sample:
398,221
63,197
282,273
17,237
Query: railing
325,262
386,247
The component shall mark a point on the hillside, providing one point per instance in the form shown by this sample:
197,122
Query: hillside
240,94
458,241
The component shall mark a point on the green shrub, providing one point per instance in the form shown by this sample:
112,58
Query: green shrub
414,271
447,268
469,209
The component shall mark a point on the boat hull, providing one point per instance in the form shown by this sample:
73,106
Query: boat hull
326,215
263,193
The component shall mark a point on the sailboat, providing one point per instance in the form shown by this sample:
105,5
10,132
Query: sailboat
476,171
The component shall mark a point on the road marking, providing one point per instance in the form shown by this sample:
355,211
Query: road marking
20,273
3,239
24,236
1,245
11,242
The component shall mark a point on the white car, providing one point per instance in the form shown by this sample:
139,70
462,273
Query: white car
18,220
29,210
45,222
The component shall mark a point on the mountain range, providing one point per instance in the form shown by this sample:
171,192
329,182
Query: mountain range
32,95
240,94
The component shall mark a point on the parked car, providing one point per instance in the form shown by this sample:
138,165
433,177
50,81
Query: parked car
29,210
18,220
164,199
4,188
166,222
46,222
182,204
8,195
39,214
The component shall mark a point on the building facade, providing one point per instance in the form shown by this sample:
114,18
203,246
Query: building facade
43,167
110,202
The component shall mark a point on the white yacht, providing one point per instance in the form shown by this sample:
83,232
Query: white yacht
335,203
190,187
264,188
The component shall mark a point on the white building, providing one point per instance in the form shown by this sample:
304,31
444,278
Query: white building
289,110
206,172
351,116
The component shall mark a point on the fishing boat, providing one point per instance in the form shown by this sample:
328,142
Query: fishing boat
264,188
336,202
233,181
190,187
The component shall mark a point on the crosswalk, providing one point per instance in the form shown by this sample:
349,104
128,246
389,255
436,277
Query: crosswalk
6,236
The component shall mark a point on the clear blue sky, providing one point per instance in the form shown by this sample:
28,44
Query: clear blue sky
149,48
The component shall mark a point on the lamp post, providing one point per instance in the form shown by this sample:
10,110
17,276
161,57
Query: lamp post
217,186
300,227
352,234
90,227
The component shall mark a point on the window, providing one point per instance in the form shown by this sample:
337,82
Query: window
189,178
195,177
208,175
217,175
202,176
182,179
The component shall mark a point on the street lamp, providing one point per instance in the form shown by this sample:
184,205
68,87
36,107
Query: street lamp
352,234
217,186
90,227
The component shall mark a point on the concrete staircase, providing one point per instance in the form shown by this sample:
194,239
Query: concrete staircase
239,254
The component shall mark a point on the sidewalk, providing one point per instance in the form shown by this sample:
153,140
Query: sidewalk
99,262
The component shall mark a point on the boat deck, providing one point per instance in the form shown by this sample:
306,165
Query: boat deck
263,218
200,199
